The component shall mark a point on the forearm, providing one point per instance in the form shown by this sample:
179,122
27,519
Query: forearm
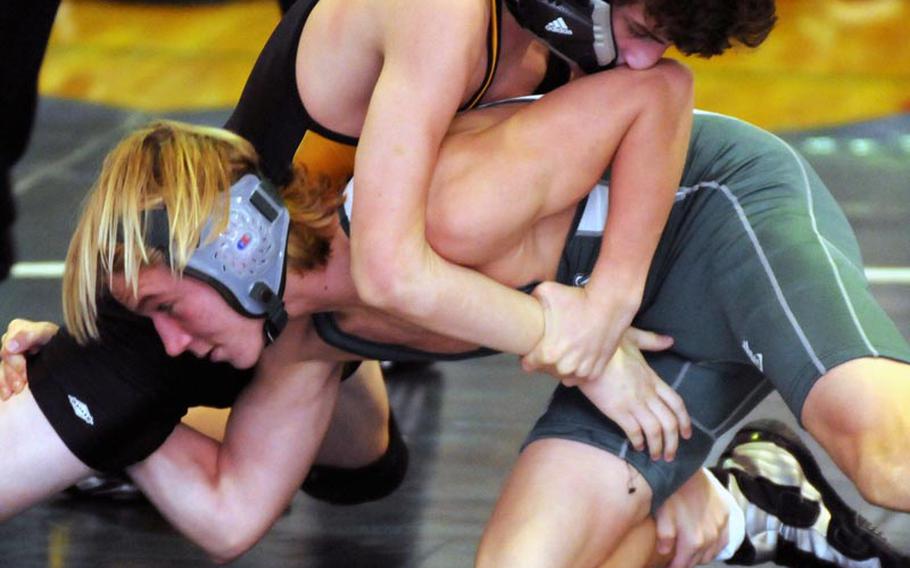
629,241
463,303
201,497
225,496
421,287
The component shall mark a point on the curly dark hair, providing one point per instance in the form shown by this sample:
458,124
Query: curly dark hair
709,27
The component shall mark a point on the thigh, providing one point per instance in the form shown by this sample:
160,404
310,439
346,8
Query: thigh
564,504
36,463
763,271
716,396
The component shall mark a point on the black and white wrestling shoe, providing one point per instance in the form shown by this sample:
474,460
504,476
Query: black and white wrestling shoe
793,516
106,487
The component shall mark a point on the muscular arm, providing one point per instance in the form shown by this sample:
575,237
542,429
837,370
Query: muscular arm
226,496
427,61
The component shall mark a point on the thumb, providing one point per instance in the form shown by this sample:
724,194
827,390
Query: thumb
648,340
666,533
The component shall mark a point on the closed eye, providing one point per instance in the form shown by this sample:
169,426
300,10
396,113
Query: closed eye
642,32
165,308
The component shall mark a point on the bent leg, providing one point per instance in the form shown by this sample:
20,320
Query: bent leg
564,504
637,548
506,154
36,464
858,413
359,431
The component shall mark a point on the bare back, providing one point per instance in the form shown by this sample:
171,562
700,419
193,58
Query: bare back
346,43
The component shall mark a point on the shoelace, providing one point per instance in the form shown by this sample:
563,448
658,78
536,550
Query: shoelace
854,535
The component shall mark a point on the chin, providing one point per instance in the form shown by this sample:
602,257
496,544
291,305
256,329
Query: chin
243,364
243,361
238,361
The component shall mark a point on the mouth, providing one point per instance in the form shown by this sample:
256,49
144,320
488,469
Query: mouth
214,355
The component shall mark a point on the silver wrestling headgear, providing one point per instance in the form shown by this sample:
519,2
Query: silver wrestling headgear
246,263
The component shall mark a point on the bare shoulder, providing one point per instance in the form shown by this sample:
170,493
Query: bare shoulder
428,25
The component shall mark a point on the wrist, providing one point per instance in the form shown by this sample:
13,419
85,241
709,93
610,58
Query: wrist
622,296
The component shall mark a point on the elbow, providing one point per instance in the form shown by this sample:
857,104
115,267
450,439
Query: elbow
226,556
231,543
230,534
675,85
391,282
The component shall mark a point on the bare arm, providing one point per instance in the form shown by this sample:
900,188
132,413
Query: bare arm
427,62
226,496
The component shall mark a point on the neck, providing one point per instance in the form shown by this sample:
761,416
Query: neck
322,289
515,39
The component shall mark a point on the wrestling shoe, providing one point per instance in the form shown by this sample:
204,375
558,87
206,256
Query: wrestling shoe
106,487
402,367
793,515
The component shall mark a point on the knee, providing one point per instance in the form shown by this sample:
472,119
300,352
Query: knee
669,83
882,463
857,412
449,228
516,547
883,483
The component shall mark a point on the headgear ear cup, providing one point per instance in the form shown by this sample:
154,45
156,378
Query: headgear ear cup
580,31
246,263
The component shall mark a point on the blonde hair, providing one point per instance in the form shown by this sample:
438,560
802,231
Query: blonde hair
187,169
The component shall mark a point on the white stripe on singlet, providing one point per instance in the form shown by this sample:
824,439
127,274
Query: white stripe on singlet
824,245
769,271
848,303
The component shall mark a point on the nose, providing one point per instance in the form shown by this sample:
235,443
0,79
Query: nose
174,338
642,54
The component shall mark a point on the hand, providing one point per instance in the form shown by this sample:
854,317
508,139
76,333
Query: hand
581,332
631,394
692,523
22,337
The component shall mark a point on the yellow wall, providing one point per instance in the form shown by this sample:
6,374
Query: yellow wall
827,62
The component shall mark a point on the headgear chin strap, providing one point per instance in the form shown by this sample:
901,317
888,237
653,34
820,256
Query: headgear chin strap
246,262
580,31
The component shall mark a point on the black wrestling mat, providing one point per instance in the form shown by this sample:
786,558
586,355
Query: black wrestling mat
464,422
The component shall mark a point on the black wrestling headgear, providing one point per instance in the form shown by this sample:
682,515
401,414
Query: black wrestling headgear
580,31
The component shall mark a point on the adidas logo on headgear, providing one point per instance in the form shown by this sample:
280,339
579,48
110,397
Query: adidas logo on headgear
558,26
